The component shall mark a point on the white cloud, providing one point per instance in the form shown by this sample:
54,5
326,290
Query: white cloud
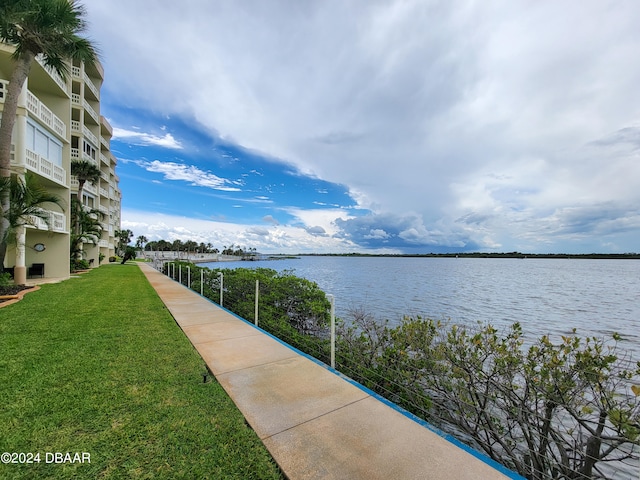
446,110
275,239
132,136
187,173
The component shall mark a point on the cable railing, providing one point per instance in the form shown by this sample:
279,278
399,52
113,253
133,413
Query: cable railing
566,408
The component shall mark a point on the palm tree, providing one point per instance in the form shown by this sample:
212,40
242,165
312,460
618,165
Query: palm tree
45,28
140,241
84,171
124,237
163,245
28,197
89,230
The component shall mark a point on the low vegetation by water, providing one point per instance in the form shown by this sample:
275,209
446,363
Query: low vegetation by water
566,407
97,365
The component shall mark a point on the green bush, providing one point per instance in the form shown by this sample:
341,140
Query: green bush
290,307
112,259
79,264
5,279
549,410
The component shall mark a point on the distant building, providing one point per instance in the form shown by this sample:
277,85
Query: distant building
58,121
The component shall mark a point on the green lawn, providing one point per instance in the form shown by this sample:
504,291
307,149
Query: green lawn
96,364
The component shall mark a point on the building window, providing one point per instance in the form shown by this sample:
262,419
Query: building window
39,141
88,201
89,150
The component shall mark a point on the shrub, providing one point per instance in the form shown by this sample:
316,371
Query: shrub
112,259
549,410
5,279
292,308
79,264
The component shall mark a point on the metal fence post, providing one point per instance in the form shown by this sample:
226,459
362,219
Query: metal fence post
189,276
180,273
201,281
257,294
221,285
333,330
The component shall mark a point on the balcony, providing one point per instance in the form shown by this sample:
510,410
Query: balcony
87,188
79,75
54,75
75,155
57,222
92,112
79,102
104,193
46,116
103,243
88,134
44,167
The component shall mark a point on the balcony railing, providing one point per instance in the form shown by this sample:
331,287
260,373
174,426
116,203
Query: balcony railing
54,75
89,83
92,112
79,102
87,188
77,73
44,167
46,116
90,188
75,155
103,243
57,222
88,134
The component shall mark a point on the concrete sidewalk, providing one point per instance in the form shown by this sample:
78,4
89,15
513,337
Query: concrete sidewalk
314,423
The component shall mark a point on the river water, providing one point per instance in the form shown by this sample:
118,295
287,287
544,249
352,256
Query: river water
547,296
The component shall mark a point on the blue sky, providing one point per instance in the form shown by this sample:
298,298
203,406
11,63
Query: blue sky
376,126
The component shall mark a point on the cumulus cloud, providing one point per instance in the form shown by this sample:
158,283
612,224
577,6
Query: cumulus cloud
277,239
317,230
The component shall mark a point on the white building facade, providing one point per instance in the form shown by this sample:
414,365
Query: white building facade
57,121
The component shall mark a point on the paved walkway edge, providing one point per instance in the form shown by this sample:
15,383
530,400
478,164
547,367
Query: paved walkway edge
315,422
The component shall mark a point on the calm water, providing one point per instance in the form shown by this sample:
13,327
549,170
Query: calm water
597,297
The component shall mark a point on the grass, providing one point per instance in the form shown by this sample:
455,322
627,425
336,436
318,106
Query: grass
97,364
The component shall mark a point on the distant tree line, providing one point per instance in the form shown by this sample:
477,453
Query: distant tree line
125,237
630,255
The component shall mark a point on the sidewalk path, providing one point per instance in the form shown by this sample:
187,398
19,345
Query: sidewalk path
315,424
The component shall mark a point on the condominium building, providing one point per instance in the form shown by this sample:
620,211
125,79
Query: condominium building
58,121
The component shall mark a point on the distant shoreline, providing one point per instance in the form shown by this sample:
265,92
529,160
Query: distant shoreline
600,256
